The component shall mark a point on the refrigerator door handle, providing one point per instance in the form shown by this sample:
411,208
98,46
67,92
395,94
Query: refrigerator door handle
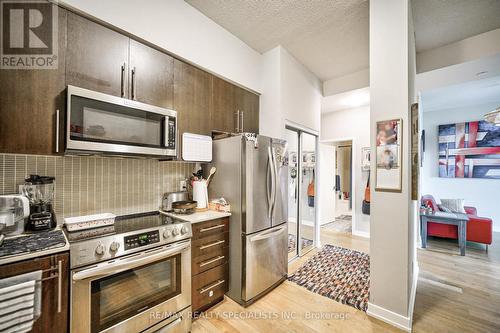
276,179
268,190
273,183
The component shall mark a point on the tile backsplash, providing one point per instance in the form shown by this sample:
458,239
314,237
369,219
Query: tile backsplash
94,184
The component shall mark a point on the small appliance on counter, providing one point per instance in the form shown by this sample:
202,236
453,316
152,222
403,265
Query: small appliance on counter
40,192
13,210
170,197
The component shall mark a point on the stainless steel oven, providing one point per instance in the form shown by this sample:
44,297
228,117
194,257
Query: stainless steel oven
145,291
97,122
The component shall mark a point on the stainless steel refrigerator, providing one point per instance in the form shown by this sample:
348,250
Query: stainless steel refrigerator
252,173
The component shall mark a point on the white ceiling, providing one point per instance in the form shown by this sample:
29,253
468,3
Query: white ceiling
466,94
329,37
441,22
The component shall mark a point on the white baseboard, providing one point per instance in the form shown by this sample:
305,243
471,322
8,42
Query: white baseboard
413,293
389,317
361,233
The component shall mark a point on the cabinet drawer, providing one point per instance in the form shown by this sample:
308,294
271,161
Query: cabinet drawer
209,286
209,228
205,262
209,245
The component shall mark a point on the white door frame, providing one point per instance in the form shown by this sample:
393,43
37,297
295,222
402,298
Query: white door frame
353,181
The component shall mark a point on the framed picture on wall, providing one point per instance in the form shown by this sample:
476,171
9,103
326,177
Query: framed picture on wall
388,172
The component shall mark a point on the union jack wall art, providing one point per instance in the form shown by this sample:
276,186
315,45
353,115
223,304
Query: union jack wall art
469,150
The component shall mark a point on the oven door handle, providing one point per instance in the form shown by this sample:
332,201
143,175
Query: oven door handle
118,266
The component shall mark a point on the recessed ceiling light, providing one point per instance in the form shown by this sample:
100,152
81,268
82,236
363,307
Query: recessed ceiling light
481,73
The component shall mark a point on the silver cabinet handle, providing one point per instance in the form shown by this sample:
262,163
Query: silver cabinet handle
212,228
59,286
122,77
57,130
204,290
212,244
242,116
237,113
211,261
133,84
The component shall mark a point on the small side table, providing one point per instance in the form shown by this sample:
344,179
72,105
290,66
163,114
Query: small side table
458,219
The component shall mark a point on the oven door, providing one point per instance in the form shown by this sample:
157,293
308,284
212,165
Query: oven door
132,293
99,122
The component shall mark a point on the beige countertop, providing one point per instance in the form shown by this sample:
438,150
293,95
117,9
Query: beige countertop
199,216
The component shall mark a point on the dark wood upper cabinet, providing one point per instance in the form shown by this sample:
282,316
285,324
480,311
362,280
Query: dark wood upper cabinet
224,117
192,99
151,75
28,103
248,105
96,56
53,316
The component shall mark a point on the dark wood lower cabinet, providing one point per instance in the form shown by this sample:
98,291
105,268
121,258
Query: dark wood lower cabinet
55,307
210,263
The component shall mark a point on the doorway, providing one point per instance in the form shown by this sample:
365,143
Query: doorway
301,191
337,186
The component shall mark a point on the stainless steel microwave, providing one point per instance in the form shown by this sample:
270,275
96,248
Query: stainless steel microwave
101,123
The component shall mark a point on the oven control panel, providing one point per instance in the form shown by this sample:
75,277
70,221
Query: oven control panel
143,239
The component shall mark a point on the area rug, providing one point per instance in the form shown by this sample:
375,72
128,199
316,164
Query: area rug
291,242
342,223
337,273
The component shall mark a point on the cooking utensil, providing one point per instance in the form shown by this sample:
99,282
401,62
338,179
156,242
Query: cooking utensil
184,207
213,170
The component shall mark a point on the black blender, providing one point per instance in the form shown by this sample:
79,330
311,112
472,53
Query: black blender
40,192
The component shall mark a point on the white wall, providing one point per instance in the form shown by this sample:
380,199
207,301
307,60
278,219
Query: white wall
480,193
472,48
182,30
390,225
290,93
301,92
271,119
352,124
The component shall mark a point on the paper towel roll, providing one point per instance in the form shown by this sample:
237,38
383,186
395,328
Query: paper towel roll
200,193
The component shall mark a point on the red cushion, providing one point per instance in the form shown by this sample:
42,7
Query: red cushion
479,229
470,210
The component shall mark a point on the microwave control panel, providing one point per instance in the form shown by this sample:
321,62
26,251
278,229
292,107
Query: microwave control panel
171,130
143,239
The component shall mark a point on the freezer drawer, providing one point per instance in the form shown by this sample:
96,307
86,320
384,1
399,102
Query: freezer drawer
266,260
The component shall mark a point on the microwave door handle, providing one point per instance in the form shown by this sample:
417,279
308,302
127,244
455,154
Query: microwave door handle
166,132
126,264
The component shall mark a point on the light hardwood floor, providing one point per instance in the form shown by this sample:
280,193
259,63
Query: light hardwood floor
454,294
